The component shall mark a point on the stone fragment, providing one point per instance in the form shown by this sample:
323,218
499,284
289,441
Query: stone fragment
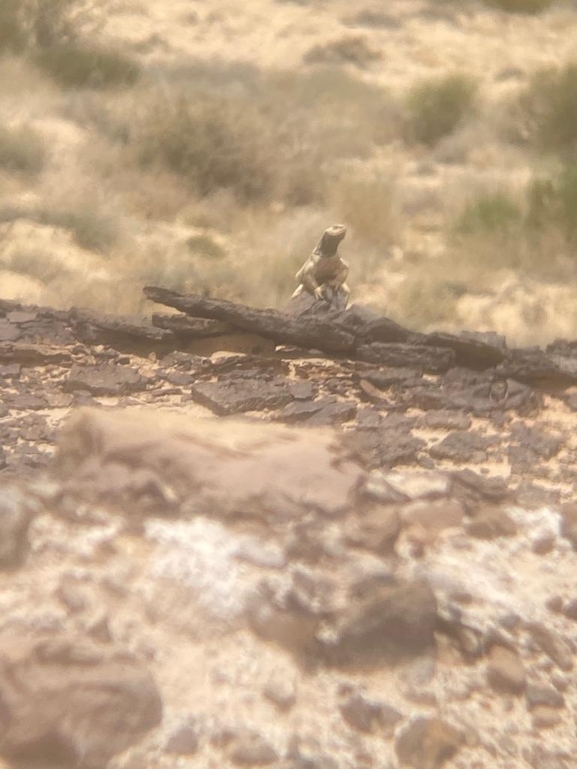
461,446
569,523
217,467
182,739
298,411
570,609
16,512
420,357
427,742
434,515
505,671
396,621
491,522
543,542
105,379
250,748
281,691
370,716
68,701
416,484
545,718
445,420
236,394
539,695
541,756
332,412
376,530
552,644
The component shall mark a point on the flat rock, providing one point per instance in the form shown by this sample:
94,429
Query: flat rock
420,357
491,522
234,395
552,644
105,379
505,671
461,446
427,743
394,622
384,447
217,467
542,695
182,739
370,716
69,701
16,512
250,748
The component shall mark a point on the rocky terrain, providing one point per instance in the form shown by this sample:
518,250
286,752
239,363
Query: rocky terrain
237,537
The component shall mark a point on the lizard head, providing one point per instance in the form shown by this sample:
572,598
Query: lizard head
330,240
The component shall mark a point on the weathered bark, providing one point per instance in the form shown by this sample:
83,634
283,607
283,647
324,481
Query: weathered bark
310,333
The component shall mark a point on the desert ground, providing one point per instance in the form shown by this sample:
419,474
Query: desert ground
237,537
217,140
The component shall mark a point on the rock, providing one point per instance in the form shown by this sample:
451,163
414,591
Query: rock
461,446
570,609
543,542
281,691
182,739
415,484
538,695
569,523
420,357
69,701
71,594
370,716
427,743
16,512
491,522
383,448
396,621
505,671
250,748
545,718
552,644
234,394
309,333
332,412
215,467
546,757
445,420
105,379
304,752
476,350
435,515
376,530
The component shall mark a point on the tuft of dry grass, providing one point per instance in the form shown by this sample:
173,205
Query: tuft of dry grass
369,207
22,150
436,107
351,49
520,6
549,108
210,143
80,65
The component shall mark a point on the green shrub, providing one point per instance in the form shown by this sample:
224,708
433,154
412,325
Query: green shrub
76,65
495,212
12,30
552,203
520,6
436,107
346,50
550,108
204,245
21,150
211,144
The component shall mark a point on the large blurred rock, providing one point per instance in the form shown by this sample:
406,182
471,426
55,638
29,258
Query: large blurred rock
72,703
218,467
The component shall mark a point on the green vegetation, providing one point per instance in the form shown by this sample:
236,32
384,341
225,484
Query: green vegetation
520,6
12,31
77,65
549,106
495,212
210,144
436,107
21,150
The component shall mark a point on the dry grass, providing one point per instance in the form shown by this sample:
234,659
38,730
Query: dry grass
22,150
520,6
548,107
436,107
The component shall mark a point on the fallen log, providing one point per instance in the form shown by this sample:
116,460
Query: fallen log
309,333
